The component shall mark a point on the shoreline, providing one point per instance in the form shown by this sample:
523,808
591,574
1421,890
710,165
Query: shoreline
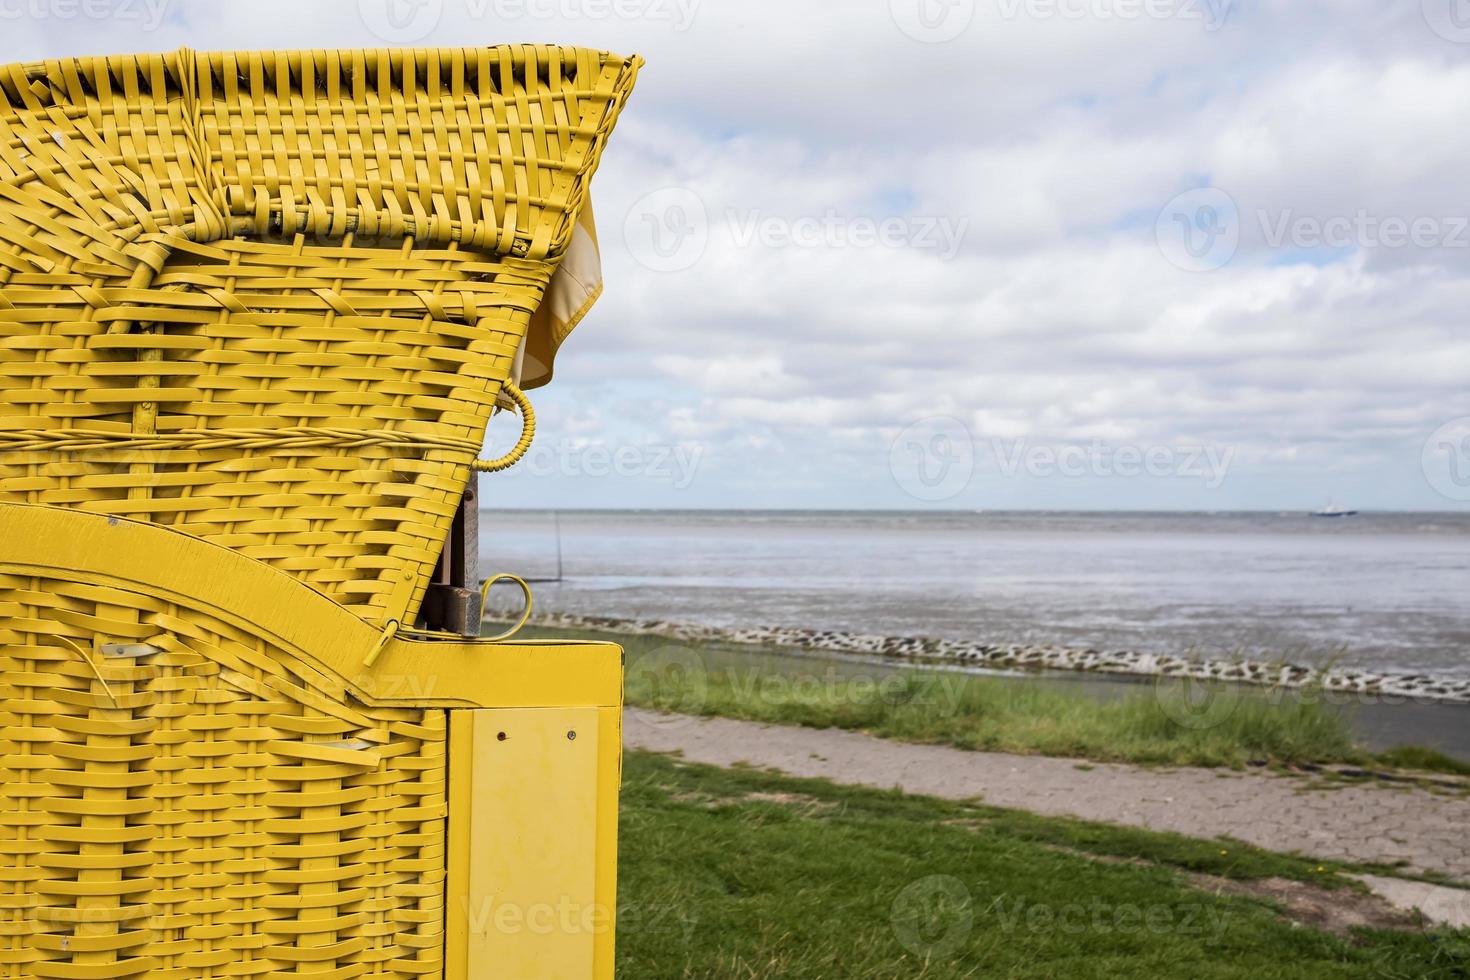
961,654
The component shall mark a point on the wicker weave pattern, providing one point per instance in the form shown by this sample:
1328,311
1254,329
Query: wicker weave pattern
184,801
270,299
490,147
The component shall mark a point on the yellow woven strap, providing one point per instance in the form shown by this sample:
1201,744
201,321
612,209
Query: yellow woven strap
73,440
528,432
199,440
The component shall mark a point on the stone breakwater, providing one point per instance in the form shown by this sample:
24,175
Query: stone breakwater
964,653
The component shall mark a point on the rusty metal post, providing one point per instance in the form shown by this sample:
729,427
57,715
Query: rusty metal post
452,600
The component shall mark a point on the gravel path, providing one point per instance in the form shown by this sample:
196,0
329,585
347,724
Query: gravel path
1426,832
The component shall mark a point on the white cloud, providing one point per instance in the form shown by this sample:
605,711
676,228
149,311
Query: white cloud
1046,146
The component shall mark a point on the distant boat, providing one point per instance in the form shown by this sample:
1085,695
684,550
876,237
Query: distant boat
1333,510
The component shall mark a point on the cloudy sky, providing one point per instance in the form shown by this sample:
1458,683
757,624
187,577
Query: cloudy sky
981,253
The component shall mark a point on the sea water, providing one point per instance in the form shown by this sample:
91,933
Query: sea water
1383,591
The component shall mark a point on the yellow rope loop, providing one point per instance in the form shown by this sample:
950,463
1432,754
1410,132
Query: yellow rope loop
528,432
525,613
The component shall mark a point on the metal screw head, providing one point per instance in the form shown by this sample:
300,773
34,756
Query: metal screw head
571,736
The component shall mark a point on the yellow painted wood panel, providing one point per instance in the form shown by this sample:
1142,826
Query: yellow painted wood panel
532,844
609,785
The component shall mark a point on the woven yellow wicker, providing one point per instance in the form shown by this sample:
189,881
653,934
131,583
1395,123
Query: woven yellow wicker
256,311
270,300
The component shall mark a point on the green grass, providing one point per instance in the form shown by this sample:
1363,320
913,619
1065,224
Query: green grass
731,873
1165,723
1414,757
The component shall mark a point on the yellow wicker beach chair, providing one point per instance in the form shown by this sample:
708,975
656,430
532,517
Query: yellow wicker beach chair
256,312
